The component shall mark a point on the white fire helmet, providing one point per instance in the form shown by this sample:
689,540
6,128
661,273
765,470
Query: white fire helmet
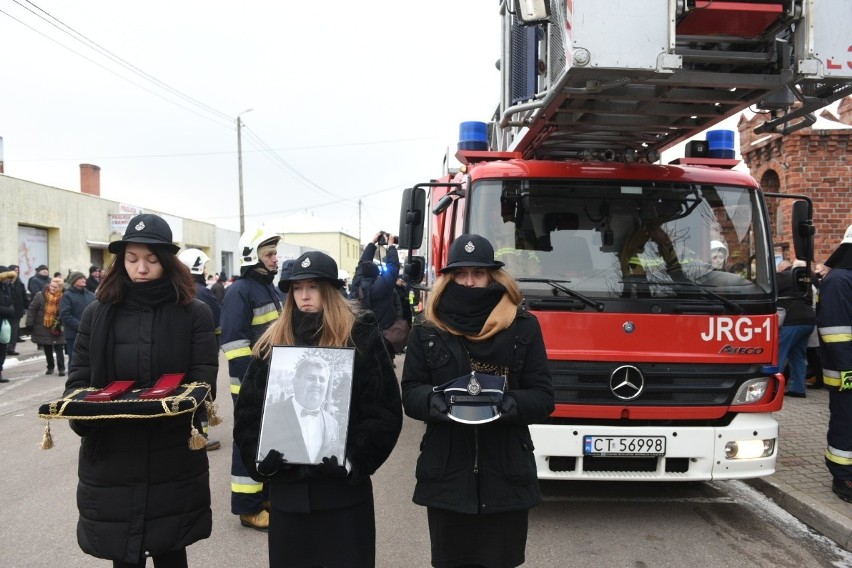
194,259
251,241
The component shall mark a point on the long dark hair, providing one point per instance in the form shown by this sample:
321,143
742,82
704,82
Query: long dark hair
112,286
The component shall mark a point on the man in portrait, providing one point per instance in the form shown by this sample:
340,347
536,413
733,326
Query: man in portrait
299,426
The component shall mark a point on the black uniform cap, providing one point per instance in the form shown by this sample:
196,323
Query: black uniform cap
313,265
471,250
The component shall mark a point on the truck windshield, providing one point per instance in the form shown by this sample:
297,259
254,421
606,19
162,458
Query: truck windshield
648,239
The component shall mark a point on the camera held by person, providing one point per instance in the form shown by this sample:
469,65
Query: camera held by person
383,239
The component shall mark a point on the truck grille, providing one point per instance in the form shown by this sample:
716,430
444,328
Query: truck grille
581,382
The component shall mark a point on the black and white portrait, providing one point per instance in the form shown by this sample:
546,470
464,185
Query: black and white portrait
306,408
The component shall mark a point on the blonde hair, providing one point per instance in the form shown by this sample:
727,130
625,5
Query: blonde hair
338,318
497,275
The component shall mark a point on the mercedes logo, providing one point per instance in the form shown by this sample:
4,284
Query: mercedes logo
626,382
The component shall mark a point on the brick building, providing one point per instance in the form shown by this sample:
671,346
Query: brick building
813,161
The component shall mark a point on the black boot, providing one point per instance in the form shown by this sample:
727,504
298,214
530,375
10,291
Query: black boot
2,380
843,489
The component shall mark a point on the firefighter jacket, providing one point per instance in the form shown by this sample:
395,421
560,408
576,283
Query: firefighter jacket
834,323
251,305
486,468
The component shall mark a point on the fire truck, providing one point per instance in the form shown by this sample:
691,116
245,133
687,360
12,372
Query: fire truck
654,284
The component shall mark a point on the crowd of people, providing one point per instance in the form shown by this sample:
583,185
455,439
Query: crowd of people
155,310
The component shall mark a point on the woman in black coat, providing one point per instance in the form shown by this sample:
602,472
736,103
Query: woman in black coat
142,491
477,478
43,320
322,515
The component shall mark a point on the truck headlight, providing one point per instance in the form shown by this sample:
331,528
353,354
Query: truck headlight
749,449
751,391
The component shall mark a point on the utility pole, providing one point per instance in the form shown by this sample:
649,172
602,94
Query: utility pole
240,165
359,221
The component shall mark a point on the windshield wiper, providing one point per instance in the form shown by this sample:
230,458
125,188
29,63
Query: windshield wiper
733,306
557,286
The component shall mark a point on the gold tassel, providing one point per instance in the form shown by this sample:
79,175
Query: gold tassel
212,418
47,439
196,440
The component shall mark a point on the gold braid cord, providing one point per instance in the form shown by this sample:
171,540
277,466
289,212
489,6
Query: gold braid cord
168,406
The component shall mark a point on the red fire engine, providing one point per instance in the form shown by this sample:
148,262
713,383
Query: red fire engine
654,284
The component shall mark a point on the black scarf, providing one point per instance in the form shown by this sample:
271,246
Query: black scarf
466,309
149,294
307,327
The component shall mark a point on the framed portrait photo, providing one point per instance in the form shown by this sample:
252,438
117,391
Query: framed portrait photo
306,405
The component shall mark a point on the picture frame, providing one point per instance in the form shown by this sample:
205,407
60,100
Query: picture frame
306,403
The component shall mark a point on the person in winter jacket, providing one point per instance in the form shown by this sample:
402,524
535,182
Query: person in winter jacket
375,290
38,281
20,301
7,310
94,279
323,515
834,323
43,320
74,301
142,492
793,336
196,261
251,305
477,479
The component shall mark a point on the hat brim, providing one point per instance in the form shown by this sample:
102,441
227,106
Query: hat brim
474,414
284,284
470,264
842,256
116,247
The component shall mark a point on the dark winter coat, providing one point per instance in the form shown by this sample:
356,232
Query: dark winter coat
74,301
140,486
375,421
378,294
35,321
502,451
7,310
36,284
20,300
800,310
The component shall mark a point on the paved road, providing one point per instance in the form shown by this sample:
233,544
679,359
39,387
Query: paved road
580,523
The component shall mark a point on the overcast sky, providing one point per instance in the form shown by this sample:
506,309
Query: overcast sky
351,100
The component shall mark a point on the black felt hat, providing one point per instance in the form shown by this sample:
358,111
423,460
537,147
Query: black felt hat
470,250
313,265
146,229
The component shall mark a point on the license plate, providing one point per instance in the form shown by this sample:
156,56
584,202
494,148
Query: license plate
609,446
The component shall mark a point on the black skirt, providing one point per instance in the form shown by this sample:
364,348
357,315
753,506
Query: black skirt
333,538
494,540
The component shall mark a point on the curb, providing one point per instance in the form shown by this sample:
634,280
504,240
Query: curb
807,509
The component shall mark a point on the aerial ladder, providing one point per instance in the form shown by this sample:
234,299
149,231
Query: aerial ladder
624,80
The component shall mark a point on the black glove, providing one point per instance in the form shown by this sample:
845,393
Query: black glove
331,468
272,463
509,407
438,408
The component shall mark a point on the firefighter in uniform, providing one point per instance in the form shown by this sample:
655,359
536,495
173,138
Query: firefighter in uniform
196,261
834,323
251,304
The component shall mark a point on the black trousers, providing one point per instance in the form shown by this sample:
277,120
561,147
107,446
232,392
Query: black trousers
176,559
59,350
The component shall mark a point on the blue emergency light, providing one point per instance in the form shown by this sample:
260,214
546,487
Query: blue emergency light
720,144
473,135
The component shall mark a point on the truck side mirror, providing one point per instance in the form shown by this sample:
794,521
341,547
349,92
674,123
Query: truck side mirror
413,269
801,279
803,230
411,217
